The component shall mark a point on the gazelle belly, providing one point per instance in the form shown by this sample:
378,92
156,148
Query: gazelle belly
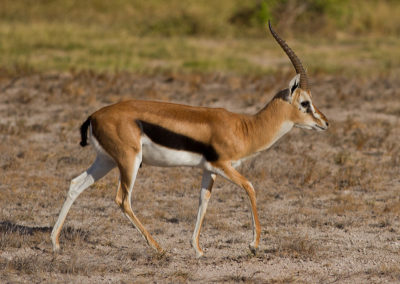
158,155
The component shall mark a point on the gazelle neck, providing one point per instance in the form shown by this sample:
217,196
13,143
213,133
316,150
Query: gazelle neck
270,124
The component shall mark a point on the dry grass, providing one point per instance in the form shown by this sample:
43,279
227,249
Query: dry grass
328,202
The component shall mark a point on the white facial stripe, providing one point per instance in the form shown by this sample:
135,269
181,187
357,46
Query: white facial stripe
316,115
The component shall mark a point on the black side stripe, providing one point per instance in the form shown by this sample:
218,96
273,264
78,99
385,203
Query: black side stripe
172,140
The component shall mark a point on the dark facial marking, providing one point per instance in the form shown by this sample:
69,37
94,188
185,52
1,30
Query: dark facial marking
305,104
172,140
284,95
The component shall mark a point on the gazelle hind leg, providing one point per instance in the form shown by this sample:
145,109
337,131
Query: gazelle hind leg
101,166
205,194
127,179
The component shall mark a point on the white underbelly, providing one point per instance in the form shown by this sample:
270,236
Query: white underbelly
157,155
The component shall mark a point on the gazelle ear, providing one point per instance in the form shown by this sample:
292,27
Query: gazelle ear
294,84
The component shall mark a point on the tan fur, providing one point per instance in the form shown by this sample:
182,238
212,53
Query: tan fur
233,136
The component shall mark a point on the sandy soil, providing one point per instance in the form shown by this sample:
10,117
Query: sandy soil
328,202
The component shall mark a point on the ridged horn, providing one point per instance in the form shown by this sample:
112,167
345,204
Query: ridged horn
293,58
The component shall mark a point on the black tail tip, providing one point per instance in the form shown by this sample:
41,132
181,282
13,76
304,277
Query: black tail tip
84,128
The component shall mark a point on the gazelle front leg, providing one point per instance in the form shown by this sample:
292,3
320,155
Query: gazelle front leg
205,194
227,171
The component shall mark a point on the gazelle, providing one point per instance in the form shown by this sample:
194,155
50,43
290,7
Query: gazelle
129,133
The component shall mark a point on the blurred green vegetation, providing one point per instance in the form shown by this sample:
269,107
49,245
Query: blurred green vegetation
197,36
221,18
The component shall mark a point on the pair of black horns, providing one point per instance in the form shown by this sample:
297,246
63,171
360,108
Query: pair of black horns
293,58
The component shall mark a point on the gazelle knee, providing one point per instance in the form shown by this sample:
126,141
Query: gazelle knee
126,205
78,185
249,188
73,194
73,190
121,198
123,202
120,202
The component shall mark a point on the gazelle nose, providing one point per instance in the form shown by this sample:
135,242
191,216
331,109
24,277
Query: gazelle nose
326,123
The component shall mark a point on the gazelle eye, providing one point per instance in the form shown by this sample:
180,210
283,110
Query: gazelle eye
305,104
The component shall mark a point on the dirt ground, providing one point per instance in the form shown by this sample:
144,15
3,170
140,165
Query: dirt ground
328,202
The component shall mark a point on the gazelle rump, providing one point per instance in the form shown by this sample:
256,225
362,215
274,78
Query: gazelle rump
127,134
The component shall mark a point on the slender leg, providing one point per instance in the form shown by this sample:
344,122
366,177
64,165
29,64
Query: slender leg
123,199
231,174
205,194
101,166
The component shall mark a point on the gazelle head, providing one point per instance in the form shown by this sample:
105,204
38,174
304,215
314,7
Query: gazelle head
304,114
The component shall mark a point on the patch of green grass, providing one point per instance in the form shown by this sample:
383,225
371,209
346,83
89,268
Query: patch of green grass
226,36
64,47
61,47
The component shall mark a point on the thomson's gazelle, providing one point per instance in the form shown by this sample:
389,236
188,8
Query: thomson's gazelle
129,133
